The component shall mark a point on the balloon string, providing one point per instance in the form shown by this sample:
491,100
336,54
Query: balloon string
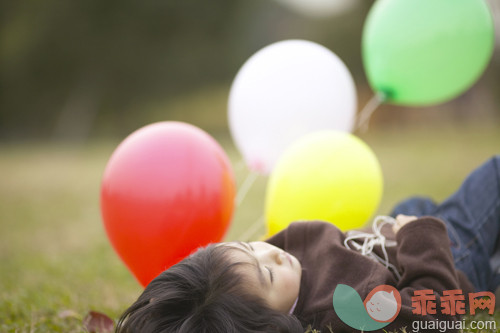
370,107
239,165
247,235
245,187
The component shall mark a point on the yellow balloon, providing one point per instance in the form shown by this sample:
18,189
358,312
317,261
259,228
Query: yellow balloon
328,175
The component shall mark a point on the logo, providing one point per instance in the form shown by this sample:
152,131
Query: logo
380,308
383,303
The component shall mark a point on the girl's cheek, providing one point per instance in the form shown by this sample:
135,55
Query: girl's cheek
289,279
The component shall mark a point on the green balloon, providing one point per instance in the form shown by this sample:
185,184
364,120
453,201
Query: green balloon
422,52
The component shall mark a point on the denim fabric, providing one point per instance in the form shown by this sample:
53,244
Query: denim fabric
472,217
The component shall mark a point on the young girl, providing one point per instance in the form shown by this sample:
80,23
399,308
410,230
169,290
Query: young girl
286,283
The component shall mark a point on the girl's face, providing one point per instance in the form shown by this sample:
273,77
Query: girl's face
274,273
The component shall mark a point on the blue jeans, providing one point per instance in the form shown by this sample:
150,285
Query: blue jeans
472,217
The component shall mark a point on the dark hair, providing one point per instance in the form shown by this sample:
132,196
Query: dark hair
203,293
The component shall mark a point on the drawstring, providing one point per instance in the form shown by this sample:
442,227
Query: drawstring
370,240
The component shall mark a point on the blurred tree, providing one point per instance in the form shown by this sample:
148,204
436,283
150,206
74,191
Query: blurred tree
101,56
73,69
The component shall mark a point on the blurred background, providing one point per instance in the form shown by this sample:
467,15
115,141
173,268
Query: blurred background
76,77
82,70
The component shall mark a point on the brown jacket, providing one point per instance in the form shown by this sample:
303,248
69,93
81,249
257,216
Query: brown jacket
422,256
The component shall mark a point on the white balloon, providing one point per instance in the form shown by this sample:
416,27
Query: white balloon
284,91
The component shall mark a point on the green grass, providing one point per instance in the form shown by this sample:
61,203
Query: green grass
54,254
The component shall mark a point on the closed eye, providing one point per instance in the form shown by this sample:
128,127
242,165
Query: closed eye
271,273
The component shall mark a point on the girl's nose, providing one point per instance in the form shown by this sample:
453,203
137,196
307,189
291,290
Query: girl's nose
277,257
270,256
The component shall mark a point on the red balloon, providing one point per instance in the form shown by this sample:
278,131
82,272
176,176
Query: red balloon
167,189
